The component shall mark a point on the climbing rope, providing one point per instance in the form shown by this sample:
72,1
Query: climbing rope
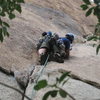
38,76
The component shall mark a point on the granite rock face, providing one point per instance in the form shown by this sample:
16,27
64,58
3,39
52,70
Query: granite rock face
9,93
77,89
72,8
22,77
19,50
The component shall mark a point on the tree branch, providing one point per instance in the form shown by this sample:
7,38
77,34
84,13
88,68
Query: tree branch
15,90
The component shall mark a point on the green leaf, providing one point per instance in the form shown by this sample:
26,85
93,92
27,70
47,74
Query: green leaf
20,1
46,95
63,76
89,11
96,11
41,84
1,35
97,1
62,93
2,14
11,16
1,1
90,38
7,34
99,38
87,2
94,37
4,30
57,79
0,22
97,49
65,81
18,8
94,45
97,28
54,93
6,24
84,7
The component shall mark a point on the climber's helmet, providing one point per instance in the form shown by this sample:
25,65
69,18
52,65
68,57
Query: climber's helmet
70,36
49,33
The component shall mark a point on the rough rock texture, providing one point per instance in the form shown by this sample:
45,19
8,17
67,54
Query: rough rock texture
72,8
61,16
19,49
22,77
83,62
8,93
77,89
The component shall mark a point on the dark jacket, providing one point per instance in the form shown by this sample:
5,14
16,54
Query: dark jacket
66,42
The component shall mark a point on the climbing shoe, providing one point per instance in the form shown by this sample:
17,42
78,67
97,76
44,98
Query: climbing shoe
43,59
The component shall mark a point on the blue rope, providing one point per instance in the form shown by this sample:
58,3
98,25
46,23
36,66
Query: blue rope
39,74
